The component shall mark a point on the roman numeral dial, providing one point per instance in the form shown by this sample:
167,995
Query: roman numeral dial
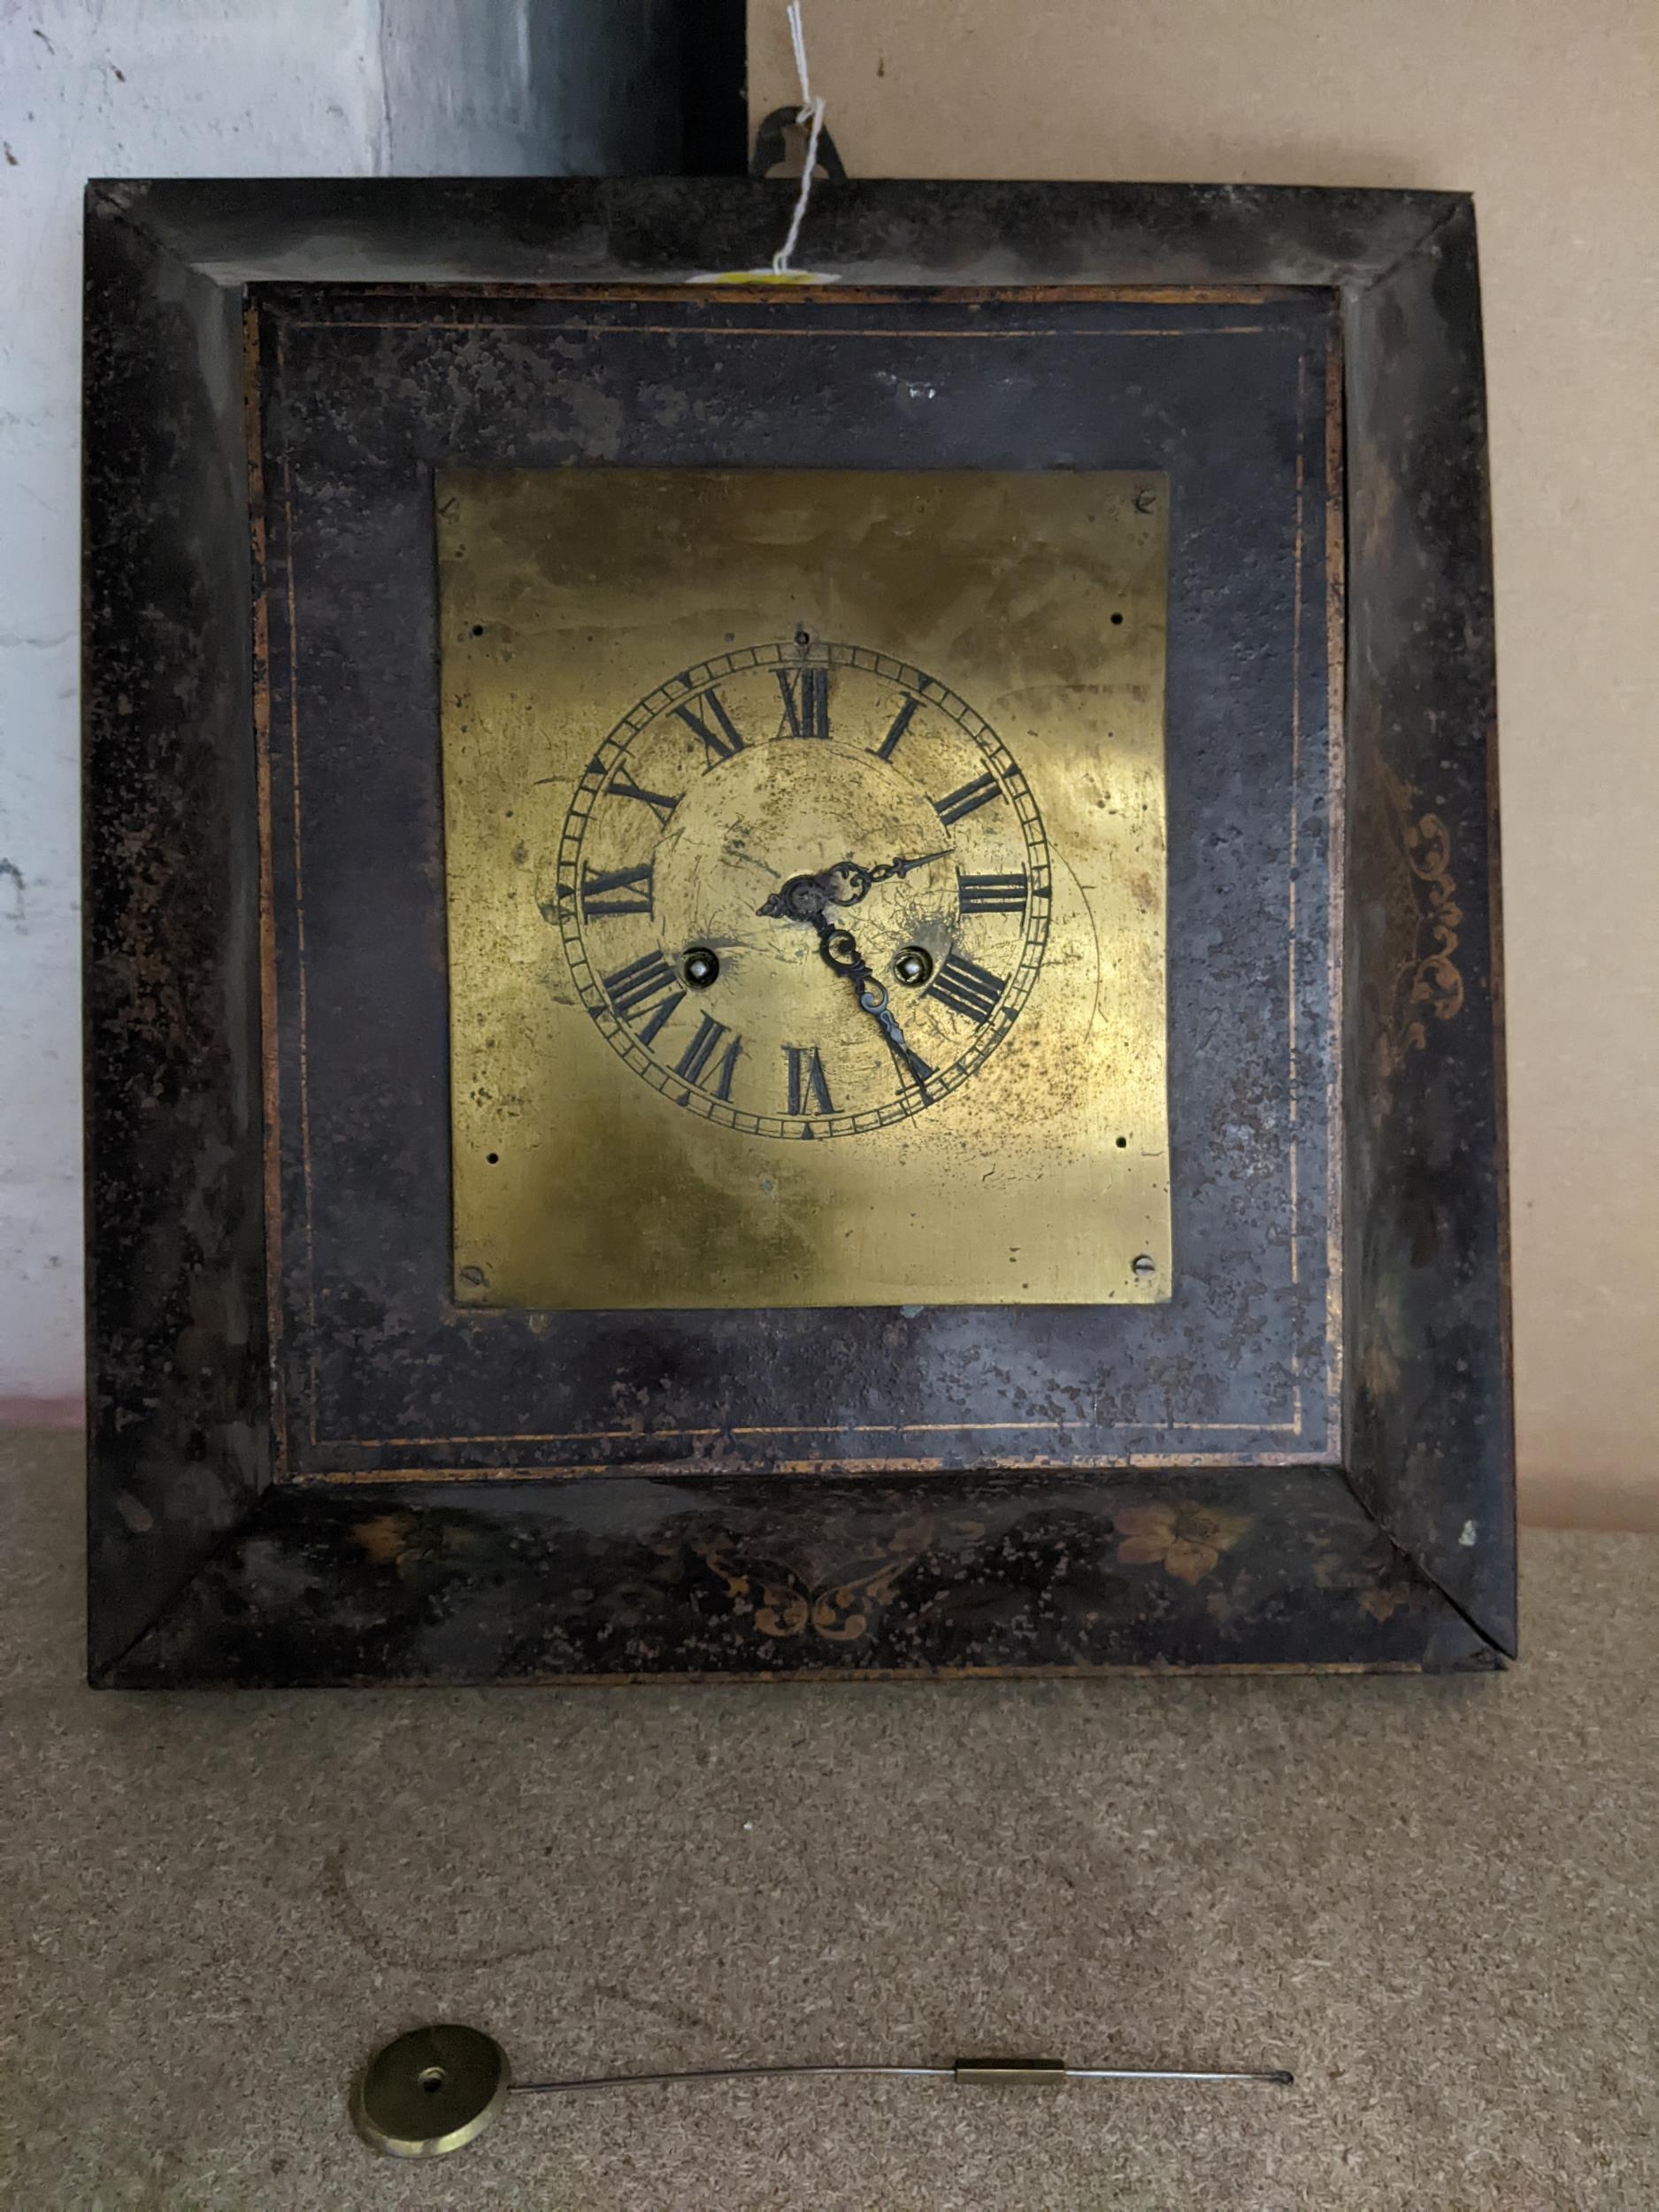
646,991
967,989
992,894
661,805
955,806
803,889
711,721
914,1072
808,1090
896,728
692,1063
805,701
614,891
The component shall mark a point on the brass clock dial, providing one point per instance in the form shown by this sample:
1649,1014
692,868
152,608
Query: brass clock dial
804,890
804,841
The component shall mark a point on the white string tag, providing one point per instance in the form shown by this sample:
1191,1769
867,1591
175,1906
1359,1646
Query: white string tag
810,114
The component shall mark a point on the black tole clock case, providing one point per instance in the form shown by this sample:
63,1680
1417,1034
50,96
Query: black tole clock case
789,980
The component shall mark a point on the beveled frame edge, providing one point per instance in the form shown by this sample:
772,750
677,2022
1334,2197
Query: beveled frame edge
178,1370
1426,1197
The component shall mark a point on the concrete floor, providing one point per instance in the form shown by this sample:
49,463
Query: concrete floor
1435,1899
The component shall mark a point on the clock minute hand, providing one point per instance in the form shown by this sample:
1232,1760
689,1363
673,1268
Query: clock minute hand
872,996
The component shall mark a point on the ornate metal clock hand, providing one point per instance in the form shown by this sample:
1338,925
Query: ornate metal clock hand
803,898
840,950
900,866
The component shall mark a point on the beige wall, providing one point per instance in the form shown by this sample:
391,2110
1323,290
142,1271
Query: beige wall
1548,112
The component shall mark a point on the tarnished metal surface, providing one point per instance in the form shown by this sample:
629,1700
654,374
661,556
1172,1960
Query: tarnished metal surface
804,839
431,2092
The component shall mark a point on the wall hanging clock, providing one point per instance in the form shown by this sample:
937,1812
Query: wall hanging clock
793,980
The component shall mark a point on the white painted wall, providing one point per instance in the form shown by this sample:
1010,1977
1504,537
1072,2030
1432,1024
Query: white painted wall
197,87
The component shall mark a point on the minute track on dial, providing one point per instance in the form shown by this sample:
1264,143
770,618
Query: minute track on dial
706,826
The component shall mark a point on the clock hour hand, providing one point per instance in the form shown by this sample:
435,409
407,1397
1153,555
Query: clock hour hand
840,950
902,866
803,898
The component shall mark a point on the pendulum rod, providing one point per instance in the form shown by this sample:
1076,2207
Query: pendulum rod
437,2088
1019,2072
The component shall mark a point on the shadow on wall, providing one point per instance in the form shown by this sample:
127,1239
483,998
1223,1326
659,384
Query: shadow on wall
1627,1501
21,1415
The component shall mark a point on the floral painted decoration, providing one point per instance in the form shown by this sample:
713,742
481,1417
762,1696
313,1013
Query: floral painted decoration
1186,1540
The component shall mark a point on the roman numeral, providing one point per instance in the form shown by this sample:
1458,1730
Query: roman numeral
660,804
966,989
723,1089
720,743
954,804
637,990
901,722
702,1049
992,894
805,701
913,1071
807,1080
615,891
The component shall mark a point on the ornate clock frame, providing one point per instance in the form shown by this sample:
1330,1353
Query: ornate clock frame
306,1465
